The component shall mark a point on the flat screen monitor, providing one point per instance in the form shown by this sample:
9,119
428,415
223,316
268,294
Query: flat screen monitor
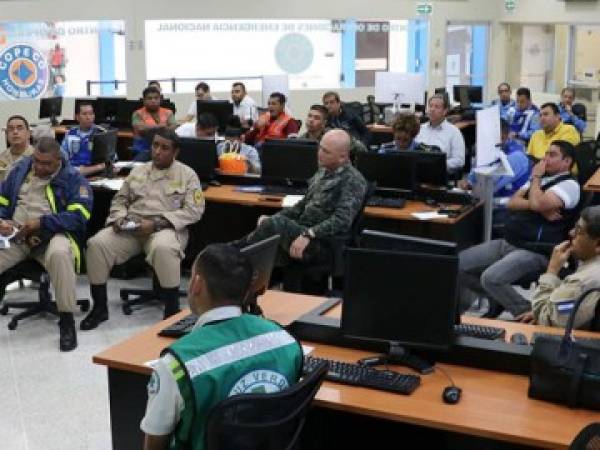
404,298
380,240
78,101
292,160
221,109
399,88
168,104
107,109
466,94
125,111
393,171
200,155
262,258
104,146
431,168
50,107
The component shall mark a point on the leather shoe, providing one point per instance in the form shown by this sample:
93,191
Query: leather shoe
94,318
68,335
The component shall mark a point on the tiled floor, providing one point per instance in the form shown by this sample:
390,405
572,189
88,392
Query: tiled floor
51,400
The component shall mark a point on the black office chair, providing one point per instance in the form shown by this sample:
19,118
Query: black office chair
296,274
588,438
30,269
587,157
263,421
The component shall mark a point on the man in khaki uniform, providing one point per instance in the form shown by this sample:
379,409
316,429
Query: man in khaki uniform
18,137
47,202
150,213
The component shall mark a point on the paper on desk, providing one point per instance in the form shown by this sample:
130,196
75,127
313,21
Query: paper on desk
290,200
307,349
428,215
127,164
113,184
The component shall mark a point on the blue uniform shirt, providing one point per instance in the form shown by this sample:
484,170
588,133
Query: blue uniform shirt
571,119
77,145
391,147
524,122
504,107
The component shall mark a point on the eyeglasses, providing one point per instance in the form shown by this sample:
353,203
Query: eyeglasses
500,91
578,230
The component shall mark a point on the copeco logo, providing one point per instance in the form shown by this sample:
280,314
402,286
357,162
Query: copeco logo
23,72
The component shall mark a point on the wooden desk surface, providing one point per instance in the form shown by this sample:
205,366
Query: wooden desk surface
593,184
121,133
228,194
494,405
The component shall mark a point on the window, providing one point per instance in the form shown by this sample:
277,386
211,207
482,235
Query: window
585,41
60,58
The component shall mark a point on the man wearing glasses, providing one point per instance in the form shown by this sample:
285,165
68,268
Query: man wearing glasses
504,101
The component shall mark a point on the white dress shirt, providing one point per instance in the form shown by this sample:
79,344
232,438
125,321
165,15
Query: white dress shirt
448,138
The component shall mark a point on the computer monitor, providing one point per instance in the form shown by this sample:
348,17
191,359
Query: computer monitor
431,168
262,258
51,107
380,240
440,90
104,146
221,109
407,299
200,155
289,160
78,101
466,95
168,104
107,109
126,108
392,171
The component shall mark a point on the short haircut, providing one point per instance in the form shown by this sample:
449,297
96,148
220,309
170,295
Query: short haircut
442,97
202,85
407,123
226,271
18,117
48,145
78,106
331,94
553,106
168,134
504,126
153,82
150,90
321,109
504,83
240,84
591,217
206,120
524,91
567,150
279,96
569,89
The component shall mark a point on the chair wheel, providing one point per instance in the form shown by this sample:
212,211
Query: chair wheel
127,310
4,310
12,325
85,306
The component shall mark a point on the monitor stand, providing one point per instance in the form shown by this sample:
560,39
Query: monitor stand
53,120
401,356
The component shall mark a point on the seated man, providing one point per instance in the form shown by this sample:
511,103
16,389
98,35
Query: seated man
205,127
333,199
552,130
504,102
18,137
570,113
77,143
438,131
541,213
274,124
150,213
344,119
180,399
554,298
316,123
146,120
505,186
233,143
524,117
49,203
202,91
406,127
244,106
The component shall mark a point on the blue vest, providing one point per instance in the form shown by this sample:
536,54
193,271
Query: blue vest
79,153
524,122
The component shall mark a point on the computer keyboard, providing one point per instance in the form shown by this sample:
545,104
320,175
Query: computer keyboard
479,331
180,328
283,190
387,202
357,375
588,340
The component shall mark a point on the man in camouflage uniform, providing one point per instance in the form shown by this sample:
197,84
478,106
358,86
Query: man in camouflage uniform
18,137
150,213
334,197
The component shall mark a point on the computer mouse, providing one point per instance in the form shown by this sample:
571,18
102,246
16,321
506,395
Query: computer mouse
430,202
519,339
451,394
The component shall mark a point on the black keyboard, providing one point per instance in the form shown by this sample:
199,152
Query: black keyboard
588,340
180,328
479,331
283,190
357,375
387,202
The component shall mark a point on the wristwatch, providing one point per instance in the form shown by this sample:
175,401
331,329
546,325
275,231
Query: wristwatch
160,224
310,234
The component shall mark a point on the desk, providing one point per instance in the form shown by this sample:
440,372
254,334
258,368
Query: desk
124,141
376,128
593,184
494,405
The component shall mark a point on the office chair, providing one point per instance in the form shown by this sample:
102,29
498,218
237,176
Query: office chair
263,421
30,269
588,438
587,157
296,274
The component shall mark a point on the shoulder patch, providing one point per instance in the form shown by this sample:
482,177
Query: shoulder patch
259,382
154,384
83,192
198,196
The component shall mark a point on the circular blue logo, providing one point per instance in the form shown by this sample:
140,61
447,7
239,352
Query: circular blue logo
23,72
294,53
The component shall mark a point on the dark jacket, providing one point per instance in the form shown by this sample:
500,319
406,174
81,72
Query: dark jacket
350,122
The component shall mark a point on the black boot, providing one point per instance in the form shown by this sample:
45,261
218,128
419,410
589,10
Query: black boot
68,336
171,298
494,310
99,312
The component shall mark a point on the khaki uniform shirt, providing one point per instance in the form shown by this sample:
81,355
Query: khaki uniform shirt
32,201
553,299
173,193
8,160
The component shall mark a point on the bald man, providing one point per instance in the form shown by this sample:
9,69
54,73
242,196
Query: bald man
333,199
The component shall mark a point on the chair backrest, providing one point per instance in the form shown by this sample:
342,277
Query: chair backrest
587,158
357,223
263,421
588,438
354,107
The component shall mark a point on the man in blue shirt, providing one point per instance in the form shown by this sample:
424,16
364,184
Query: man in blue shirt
504,102
524,118
77,144
573,114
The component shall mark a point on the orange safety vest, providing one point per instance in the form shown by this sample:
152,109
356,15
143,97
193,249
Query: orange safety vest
274,129
148,119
